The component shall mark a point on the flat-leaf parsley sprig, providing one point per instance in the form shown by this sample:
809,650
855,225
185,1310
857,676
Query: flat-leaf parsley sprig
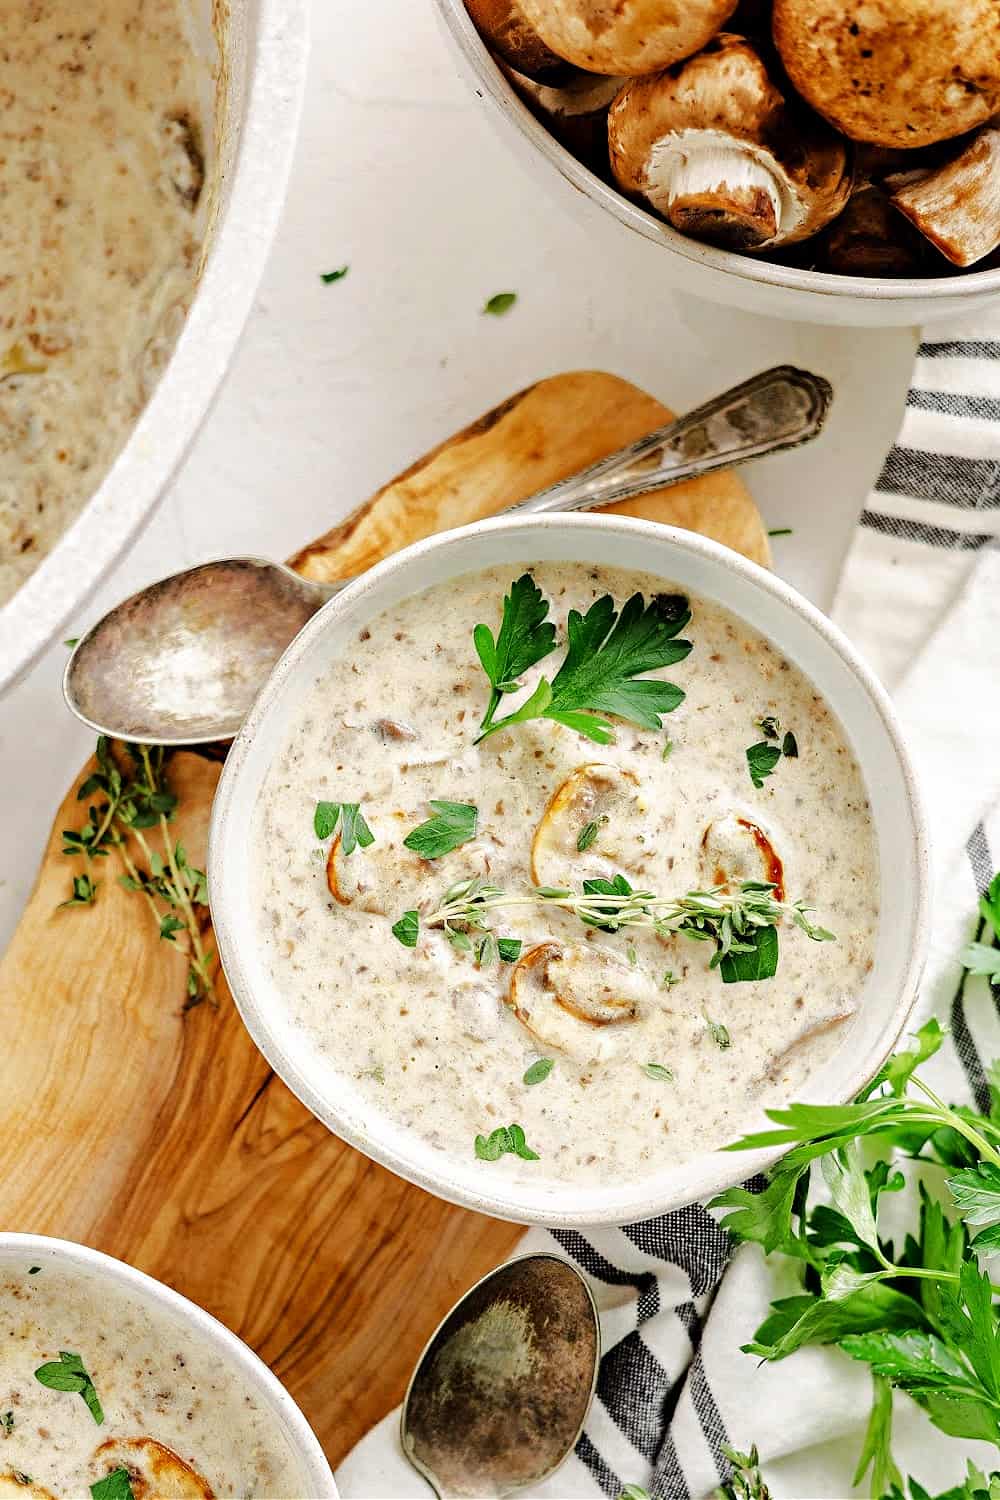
918,1309
735,921
600,674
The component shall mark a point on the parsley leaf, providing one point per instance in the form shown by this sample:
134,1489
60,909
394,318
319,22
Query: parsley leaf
114,1486
509,950
790,746
761,760
499,303
599,675
67,1373
538,1071
978,958
454,823
658,1071
407,929
719,1034
588,834
505,1140
325,818
354,831
524,638
755,957
330,276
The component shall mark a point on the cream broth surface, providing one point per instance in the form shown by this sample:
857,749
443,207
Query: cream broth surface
429,1035
102,126
155,1379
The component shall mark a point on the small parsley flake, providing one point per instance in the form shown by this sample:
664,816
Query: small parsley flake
499,303
658,1071
719,1034
790,746
505,1140
330,276
407,929
761,761
538,1071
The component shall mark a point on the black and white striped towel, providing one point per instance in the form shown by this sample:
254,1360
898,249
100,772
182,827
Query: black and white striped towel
920,596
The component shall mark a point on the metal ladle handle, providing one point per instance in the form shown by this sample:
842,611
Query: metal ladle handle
777,409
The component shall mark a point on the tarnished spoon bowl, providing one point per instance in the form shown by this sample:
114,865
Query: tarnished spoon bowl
501,1392
181,662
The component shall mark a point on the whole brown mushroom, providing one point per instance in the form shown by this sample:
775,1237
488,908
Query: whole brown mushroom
630,37
507,31
894,72
715,147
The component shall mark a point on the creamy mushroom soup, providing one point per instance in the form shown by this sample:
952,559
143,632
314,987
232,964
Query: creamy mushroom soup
94,1382
594,942
102,141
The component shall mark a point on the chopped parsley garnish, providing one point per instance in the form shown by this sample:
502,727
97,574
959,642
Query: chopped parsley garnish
407,929
33,1270
114,1486
325,818
658,1071
588,833
7,1423
506,1140
669,979
354,831
761,760
499,303
330,276
539,1071
606,652
72,641
719,1033
769,727
509,949
790,746
781,531
67,1373
454,823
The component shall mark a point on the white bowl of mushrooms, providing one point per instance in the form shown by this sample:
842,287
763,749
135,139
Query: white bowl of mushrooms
830,160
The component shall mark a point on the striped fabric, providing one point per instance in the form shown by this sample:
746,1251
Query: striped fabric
920,595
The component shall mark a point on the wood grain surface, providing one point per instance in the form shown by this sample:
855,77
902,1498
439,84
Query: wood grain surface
159,1134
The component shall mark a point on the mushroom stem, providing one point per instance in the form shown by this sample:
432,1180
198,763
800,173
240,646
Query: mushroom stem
957,207
719,192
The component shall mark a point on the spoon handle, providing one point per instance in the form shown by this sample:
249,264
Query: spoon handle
779,408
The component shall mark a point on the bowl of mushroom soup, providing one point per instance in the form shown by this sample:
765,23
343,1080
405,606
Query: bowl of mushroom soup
554,852
809,159
113,1385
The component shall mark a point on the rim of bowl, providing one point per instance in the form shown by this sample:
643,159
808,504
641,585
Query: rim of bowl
769,273
649,1199
304,1441
238,249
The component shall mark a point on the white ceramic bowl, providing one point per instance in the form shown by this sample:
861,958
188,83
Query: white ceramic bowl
18,1250
695,564
719,275
265,46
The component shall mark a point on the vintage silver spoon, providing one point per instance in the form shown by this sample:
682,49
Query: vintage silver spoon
500,1394
181,662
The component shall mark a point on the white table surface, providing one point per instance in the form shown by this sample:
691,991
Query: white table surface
335,388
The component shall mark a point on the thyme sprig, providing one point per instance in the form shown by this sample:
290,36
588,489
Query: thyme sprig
137,801
733,920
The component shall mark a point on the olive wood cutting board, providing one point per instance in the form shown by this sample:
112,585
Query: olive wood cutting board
159,1134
